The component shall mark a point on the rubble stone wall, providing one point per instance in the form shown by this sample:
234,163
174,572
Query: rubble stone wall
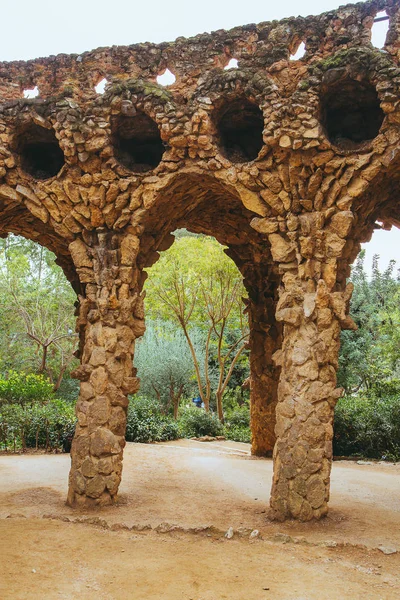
289,163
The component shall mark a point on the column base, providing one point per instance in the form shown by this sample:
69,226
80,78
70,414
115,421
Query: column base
307,513
75,500
257,450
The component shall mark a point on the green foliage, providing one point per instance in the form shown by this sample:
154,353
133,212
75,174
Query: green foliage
23,388
37,320
146,423
36,425
237,423
199,288
239,417
371,355
368,426
164,364
195,422
238,434
68,390
236,398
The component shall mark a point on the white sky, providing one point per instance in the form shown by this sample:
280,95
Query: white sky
33,28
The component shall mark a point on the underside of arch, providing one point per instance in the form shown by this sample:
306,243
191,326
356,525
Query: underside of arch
201,205
204,205
16,219
377,208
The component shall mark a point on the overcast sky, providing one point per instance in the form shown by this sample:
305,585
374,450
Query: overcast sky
34,28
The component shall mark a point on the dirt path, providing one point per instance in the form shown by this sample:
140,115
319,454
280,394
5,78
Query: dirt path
195,485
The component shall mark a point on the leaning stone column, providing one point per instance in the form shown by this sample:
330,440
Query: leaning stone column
265,339
313,318
110,318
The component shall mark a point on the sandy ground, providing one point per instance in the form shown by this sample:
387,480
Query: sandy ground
165,538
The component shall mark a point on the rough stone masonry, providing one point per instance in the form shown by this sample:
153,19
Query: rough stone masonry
289,163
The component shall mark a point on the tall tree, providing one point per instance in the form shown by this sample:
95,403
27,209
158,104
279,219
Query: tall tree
198,286
371,354
164,364
37,310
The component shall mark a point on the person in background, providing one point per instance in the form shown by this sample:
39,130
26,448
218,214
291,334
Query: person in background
197,401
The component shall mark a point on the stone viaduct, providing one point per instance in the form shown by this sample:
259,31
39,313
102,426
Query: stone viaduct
288,163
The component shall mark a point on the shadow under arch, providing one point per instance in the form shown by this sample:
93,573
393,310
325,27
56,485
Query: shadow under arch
377,208
203,204
17,219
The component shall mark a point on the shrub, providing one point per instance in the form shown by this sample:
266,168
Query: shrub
237,424
146,423
238,433
36,425
367,426
22,388
195,422
68,390
238,417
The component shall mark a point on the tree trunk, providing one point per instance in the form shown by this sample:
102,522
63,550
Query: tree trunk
220,409
60,377
42,367
204,398
176,400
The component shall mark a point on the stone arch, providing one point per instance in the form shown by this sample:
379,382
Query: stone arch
379,202
205,205
112,319
16,218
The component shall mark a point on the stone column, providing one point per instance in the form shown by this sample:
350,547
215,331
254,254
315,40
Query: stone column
265,339
110,318
313,318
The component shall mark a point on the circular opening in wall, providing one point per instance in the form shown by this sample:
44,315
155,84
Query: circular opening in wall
137,142
351,113
240,125
40,154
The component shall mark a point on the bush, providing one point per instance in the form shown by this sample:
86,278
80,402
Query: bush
238,417
146,423
195,422
367,426
68,390
36,425
238,433
22,388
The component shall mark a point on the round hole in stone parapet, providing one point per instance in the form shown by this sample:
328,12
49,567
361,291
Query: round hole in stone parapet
351,113
30,93
166,78
240,125
137,142
101,86
232,64
40,153
379,30
299,52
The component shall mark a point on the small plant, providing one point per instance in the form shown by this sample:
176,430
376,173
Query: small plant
367,426
196,422
146,423
238,434
36,425
23,388
237,424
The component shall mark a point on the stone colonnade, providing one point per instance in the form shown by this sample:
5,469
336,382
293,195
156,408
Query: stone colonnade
289,163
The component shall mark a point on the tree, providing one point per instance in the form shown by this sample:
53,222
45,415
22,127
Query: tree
371,354
200,288
164,364
37,310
